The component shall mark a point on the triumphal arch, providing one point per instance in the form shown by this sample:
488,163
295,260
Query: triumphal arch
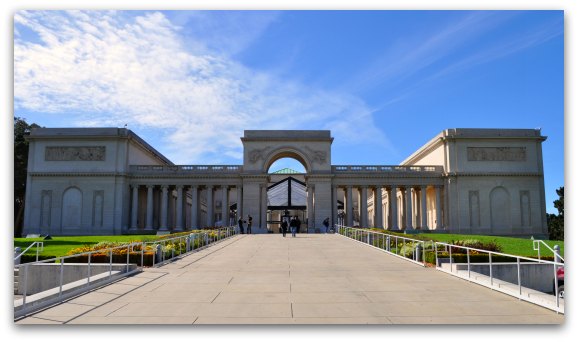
110,181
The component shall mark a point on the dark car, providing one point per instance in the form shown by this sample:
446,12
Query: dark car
560,276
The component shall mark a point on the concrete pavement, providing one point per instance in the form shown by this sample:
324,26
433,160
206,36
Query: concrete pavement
311,279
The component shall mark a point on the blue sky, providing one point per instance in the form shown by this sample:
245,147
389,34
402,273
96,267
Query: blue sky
384,82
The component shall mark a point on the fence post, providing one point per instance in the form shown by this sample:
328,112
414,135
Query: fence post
451,260
436,252
418,252
519,278
388,243
61,276
110,264
89,257
127,258
557,254
17,251
491,274
24,285
157,255
468,256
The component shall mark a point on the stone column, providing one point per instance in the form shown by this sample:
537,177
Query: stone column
378,207
388,223
194,207
225,205
239,202
149,223
349,210
164,207
438,207
393,201
334,207
423,192
408,211
363,207
134,209
263,223
210,206
179,222
310,214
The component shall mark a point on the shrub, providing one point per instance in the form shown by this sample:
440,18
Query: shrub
491,246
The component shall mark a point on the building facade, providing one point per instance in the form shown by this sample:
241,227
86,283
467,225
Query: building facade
106,181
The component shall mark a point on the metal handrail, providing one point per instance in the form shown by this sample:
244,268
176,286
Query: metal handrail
536,246
357,234
203,237
555,264
23,307
39,249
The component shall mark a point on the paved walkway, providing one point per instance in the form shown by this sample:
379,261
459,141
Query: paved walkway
311,279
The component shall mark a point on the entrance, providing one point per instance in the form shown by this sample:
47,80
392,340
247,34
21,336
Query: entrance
287,196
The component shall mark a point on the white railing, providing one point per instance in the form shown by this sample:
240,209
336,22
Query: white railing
536,244
406,248
73,278
56,286
506,273
18,254
486,273
168,249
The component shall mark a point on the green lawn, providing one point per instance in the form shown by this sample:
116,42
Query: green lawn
60,245
515,246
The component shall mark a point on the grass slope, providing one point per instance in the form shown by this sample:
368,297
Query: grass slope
510,245
60,245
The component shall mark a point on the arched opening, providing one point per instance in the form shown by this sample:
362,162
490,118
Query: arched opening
71,208
286,192
500,209
286,165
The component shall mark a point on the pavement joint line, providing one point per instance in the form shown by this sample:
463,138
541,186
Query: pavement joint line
96,290
108,314
218,294
42,318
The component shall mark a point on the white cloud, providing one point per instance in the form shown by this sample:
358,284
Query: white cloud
110,68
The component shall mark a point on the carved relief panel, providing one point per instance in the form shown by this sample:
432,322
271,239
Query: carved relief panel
75,153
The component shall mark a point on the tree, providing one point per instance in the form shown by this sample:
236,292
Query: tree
21,129
556,222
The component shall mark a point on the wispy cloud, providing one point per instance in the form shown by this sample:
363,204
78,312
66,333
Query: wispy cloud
421,61
110,68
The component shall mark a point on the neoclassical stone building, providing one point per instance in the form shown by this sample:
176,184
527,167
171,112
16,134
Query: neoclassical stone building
110,181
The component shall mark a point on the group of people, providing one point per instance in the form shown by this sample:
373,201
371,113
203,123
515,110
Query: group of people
294,226
249,222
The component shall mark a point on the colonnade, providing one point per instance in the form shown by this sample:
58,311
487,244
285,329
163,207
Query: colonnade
178,207
406,206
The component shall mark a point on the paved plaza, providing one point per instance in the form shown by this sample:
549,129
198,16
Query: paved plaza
310,279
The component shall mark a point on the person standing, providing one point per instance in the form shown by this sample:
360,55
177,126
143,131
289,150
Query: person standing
284,227
297,224
293,225
241,229
326,224
249,224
